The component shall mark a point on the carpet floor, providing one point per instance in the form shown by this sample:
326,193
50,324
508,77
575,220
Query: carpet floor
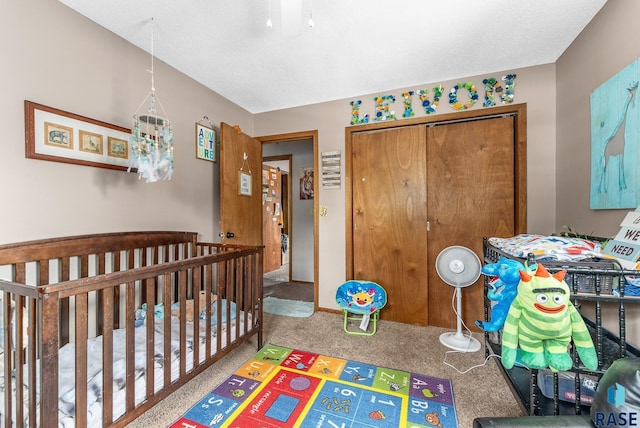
481,391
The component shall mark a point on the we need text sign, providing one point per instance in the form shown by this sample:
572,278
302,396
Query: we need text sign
626,245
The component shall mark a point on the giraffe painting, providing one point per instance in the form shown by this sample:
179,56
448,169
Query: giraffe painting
614,145
615,141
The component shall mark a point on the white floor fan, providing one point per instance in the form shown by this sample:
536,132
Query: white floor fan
459,267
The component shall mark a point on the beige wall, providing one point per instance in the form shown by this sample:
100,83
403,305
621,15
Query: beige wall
605,47
53,56
534,86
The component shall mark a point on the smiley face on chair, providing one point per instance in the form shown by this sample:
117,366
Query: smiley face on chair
362,298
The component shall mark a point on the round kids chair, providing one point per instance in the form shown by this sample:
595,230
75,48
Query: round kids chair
361,301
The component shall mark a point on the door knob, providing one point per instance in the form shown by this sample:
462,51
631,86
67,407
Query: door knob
230,235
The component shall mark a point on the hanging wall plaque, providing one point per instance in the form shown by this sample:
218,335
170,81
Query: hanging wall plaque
331,172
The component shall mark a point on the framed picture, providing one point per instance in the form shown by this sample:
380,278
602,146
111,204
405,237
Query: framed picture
117,148
59,136
306,183
90,142
244,186
205,143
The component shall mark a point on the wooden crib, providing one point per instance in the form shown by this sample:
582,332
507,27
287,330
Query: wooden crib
99,328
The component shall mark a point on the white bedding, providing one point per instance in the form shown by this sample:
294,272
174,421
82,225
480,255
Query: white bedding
560,248
66,362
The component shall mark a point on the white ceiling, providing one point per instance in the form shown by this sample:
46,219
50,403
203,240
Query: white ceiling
355,47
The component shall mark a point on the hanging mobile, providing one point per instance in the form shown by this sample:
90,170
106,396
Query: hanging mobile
152,138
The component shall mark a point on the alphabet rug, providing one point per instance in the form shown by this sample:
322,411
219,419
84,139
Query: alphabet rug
284,387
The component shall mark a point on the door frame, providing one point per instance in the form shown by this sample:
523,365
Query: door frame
299,136
520,155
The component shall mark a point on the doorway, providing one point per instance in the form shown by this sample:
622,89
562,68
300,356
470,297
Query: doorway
300,150
276,218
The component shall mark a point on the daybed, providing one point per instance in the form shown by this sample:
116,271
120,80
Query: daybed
99,328
599,289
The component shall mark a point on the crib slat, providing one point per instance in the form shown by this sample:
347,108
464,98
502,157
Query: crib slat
19,359
65,327
229,293
81,359
107,355
131,259
150,347
221,266
99,315
117,260
182,298
167,330
130,347
195,290
32,357
207,278
6,319
84,266
241,310
143,262
19,273
49,360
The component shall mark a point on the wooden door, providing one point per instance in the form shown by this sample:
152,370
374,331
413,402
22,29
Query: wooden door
272,210
240,212
471,194
389,218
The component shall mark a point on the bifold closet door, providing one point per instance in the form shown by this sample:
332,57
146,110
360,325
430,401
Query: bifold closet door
471,194
389,218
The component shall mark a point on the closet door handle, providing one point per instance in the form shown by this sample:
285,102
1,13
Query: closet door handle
231,235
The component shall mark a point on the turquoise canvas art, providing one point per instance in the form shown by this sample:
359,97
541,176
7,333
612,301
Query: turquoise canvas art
615,141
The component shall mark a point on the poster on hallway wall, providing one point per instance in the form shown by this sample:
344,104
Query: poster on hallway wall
306,183
615,141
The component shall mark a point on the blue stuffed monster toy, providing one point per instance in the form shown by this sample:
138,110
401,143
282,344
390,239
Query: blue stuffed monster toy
503,288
